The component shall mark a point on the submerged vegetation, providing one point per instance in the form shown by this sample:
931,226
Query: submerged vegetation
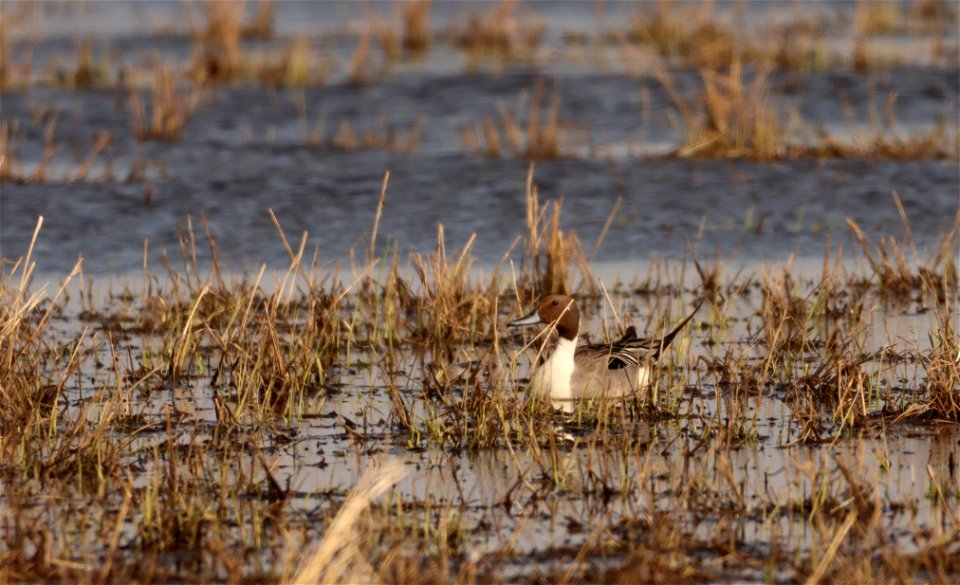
180,418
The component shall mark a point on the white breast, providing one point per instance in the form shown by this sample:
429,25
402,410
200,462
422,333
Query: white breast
558,370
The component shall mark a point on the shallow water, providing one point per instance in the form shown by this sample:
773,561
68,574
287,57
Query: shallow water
505,498
248,149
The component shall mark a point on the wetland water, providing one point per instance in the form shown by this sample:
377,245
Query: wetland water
728,477
247,148
718,468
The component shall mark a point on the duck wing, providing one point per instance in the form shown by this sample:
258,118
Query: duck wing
633,350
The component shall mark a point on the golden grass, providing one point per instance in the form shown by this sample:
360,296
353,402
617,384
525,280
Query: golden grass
379,136
170,109
736,115
9,164
217,54
261,27
732,118
416,26
167,477
686,33
296,67
141,440
339,557
6,75
504,33
361,61
542,136
877,17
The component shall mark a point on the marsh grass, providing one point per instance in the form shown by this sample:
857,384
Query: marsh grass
877,18
295,67
170,422
542,136
378,136
86,73
10,167
735,115
6,73
261,26
550,252
217,52
501,34
416,26
892,260
164,431
170,109
688,33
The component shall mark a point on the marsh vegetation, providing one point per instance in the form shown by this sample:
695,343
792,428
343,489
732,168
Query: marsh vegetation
233,348
194,425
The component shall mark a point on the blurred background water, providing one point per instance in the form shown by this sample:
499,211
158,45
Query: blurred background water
248,148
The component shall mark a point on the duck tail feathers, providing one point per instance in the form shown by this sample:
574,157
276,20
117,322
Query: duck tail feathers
665,341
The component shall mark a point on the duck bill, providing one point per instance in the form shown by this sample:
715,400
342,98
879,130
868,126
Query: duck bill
531,319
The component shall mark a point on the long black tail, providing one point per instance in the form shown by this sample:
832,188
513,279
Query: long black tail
665,341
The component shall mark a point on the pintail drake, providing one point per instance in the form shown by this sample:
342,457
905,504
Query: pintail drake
598,370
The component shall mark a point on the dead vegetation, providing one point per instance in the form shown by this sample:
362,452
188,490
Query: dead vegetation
542,136
503,33
175,415
206,426
688,33
170,109
736,110
734,114
733,118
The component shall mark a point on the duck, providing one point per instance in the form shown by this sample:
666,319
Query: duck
573,372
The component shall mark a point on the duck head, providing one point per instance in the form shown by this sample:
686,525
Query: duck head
559,310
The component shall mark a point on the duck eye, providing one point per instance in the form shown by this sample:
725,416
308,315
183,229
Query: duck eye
556,302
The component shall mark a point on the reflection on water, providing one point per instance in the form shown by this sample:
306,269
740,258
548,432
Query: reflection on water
719,454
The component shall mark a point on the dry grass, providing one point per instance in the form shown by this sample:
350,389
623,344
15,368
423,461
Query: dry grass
170,109
164,433
542,136
686,33
381,135
339,557
217,54
736,115
733,117
6,81
701,35
167,476
85,74
261,27
795,46
893,261
551,253
416,26
10,168
503,33
875,18
361,61
296,67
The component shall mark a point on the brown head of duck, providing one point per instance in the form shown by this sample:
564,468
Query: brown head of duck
558,310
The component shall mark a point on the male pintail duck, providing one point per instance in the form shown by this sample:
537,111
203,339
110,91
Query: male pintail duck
607,370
